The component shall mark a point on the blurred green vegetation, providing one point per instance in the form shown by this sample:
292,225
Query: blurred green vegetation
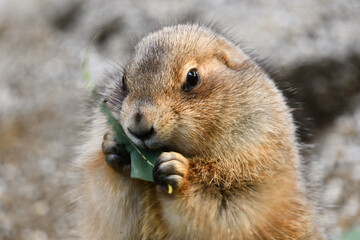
352,234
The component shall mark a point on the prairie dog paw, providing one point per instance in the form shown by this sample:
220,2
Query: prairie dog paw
116,155
170,169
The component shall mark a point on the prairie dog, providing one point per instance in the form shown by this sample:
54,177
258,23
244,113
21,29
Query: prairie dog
228,141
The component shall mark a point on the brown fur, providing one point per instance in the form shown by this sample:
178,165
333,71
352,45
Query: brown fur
233,133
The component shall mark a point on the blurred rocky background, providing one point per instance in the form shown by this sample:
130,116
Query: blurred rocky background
311,48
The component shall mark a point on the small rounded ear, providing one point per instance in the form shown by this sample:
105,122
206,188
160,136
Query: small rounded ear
231,55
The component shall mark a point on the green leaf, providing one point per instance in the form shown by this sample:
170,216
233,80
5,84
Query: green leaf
142,169
142,161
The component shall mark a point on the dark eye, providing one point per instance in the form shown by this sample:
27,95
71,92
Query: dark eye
192,79
123,84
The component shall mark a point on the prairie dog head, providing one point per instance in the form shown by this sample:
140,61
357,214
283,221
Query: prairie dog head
186,88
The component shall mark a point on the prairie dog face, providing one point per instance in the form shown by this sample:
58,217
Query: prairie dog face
180,88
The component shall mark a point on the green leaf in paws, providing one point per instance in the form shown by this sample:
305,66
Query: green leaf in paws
142,161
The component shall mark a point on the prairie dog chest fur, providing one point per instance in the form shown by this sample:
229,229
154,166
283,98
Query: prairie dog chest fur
228,142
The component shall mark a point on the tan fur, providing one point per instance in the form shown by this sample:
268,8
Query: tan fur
233,133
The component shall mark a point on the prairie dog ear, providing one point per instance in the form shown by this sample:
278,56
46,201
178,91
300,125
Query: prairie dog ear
232,56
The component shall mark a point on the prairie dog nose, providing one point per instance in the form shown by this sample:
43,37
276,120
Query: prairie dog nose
140,127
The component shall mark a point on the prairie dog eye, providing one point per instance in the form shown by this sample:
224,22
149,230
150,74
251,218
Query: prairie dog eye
192,79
